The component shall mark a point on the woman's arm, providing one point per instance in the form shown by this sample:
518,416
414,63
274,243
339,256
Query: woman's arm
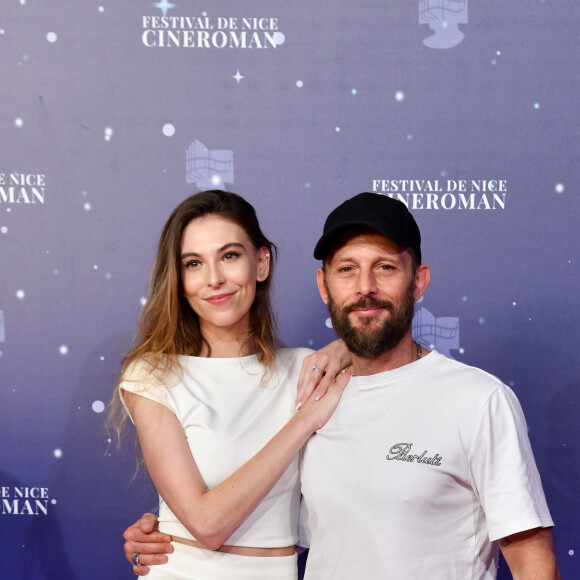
212,515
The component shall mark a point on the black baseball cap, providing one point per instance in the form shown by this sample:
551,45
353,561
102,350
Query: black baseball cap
375,211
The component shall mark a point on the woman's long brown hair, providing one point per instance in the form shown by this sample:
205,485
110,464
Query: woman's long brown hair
168,326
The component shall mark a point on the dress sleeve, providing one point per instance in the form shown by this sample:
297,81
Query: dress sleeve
503,469
303,529
304,536
138,378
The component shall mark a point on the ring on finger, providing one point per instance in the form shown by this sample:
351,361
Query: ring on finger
318,370
135,559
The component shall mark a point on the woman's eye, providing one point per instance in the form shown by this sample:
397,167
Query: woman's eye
231,256
191,264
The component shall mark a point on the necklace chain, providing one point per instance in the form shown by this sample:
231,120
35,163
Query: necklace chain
419,350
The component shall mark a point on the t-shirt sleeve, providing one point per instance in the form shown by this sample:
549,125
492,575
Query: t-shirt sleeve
138,378
503,468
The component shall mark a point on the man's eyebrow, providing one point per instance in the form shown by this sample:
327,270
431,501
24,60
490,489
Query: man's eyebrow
379,258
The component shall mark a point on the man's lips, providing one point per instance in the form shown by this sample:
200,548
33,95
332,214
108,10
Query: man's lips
370,307
368,311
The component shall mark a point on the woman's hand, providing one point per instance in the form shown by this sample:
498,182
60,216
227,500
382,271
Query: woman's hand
317,411
319,371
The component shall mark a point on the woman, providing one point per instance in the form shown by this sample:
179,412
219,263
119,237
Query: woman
206,366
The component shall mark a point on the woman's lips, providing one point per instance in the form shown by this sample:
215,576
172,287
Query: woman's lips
219,299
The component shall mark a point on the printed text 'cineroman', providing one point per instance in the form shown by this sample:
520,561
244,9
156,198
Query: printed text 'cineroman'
24,501
474,194
22,188
206,32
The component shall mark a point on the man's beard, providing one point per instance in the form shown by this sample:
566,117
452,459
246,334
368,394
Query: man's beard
364,340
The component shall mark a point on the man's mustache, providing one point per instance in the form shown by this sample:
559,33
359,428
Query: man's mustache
369,302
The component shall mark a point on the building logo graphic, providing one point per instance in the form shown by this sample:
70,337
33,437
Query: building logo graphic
440,333
208,169
443,18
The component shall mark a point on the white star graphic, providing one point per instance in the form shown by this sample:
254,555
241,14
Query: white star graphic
238,76
164,6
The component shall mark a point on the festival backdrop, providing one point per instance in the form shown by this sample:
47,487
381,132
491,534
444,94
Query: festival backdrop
112,112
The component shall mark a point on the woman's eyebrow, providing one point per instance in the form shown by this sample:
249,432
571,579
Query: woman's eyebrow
223,248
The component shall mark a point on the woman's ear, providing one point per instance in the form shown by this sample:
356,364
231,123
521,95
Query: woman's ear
263,261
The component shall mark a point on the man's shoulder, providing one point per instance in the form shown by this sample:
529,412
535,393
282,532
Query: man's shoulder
462,375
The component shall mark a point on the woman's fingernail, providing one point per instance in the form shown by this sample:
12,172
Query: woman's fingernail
298,406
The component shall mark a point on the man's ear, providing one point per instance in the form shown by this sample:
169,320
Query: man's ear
321,286
422,277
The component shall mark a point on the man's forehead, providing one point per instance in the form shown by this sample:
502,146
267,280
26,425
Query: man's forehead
356,243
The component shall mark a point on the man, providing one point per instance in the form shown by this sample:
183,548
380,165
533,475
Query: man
426,461
426,466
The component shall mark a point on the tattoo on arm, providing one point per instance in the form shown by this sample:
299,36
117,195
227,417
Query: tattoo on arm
504,542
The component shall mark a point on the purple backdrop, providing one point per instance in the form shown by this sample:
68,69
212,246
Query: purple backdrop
111,113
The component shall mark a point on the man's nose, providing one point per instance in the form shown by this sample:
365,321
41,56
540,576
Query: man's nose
366,283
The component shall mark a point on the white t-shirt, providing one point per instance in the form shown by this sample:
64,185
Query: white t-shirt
229,412
416,473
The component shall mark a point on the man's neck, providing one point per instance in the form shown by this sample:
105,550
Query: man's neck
402,354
